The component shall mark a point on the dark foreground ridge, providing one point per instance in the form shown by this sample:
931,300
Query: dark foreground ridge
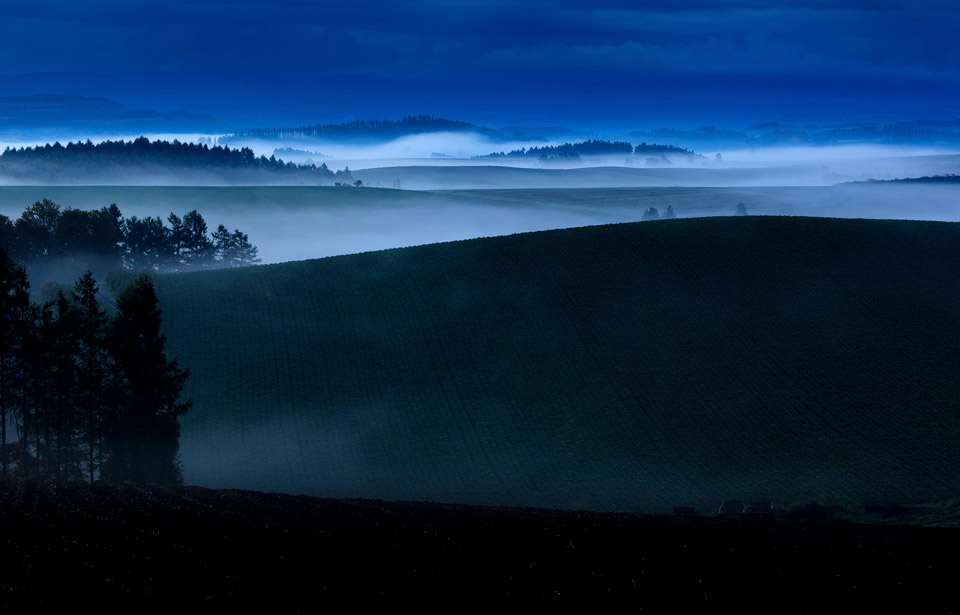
154,547
631,367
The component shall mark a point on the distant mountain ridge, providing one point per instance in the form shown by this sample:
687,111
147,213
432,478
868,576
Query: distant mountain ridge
770,134
382,131
96,115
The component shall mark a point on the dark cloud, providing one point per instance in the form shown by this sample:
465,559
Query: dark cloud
883,41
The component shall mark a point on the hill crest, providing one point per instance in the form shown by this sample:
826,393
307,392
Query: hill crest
634,366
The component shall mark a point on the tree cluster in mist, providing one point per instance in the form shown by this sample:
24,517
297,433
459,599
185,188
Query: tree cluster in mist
80,161
291,151
60,243
594,147
87,396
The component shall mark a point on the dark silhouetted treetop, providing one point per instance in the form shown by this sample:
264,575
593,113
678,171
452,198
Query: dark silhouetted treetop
570,150
233,249
88,396
290,151
143,438
654,148
83,159
60,244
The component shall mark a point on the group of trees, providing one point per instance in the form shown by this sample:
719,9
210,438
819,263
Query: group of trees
656,148
85,158
53,241
595,147
569,150
86,395
653,213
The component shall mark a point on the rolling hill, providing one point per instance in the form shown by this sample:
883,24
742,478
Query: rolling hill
631,366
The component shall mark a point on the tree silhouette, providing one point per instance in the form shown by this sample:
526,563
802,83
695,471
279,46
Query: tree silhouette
233,249
59,244
143,436
14,299
35,230
7,233
91,392
199,248
64,419
177,242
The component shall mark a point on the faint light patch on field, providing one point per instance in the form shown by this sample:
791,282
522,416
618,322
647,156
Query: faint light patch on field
295,223
299,235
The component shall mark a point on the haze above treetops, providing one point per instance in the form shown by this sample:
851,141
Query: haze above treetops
36,120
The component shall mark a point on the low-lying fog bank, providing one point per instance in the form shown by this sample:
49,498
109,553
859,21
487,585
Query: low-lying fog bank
297,223
469,177
455,161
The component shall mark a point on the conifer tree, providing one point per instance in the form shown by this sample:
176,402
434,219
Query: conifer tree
198,247
64,419
91,394
14,299
222,246
143,436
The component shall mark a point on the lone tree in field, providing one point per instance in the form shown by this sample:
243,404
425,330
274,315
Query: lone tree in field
143,434
741,210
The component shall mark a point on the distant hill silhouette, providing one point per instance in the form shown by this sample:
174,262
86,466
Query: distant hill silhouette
369,131
770,134
96,115
927,179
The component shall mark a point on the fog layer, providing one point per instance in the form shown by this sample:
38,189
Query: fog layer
297,223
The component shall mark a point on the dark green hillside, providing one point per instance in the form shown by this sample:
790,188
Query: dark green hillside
634,366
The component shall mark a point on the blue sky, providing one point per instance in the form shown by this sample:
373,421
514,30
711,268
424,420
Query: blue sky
598,64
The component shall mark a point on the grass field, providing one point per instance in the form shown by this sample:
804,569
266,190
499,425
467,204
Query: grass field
632,367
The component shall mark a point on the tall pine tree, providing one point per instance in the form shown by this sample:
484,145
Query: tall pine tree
143,436
64,416
91,394
14,299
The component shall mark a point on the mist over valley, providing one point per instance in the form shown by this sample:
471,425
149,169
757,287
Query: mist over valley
643,307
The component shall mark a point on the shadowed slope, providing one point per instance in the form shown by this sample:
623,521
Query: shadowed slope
633,366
